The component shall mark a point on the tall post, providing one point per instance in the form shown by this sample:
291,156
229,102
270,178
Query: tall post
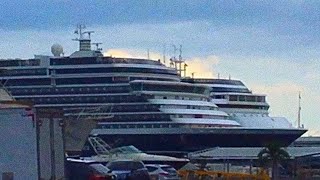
164,54
299,110
180,60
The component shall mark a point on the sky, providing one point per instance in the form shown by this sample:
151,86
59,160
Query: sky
272,46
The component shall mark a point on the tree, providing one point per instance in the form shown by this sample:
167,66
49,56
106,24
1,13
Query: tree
273,154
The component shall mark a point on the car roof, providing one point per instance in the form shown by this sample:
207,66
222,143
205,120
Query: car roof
125,160
158,165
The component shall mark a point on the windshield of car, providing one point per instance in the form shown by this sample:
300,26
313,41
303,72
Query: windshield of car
151,168
99,168
125,165
125,150
169,169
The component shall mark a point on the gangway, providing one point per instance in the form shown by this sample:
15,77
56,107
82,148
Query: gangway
99,146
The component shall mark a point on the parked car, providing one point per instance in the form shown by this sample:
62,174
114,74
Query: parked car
81,170
128,170
162,172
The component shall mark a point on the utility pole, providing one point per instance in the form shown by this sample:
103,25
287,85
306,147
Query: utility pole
299,110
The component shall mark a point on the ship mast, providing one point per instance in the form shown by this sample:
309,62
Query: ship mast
84,41
177,63
299,111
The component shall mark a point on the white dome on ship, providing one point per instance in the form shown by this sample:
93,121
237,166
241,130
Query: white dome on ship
56,49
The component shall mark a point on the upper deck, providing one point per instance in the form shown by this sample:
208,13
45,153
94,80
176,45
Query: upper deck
220,85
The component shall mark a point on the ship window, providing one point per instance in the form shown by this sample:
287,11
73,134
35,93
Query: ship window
233,98
156,126
251,98
174,125
165,125
261,99
218,97
198,116
164,97
242,98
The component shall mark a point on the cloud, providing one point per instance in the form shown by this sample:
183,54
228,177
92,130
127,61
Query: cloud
202,67
131,53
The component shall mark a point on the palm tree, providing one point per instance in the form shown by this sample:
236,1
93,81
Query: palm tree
273,153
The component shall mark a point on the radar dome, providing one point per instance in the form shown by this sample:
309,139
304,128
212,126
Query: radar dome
56,49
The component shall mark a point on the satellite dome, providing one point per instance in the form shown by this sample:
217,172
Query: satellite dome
56,49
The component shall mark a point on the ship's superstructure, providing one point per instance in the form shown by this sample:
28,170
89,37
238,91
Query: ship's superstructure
137,102
242,106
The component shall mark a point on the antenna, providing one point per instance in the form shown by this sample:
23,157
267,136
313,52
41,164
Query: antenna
174,50
148,53
97,46
84,43
174,56
164,54
89,33
178,62
299,110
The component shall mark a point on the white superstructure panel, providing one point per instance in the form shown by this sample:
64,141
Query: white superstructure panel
193,111
205,121
182,102
264,122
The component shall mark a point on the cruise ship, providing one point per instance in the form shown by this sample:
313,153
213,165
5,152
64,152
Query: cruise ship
144,103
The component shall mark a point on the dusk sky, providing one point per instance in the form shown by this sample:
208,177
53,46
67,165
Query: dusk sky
272,46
